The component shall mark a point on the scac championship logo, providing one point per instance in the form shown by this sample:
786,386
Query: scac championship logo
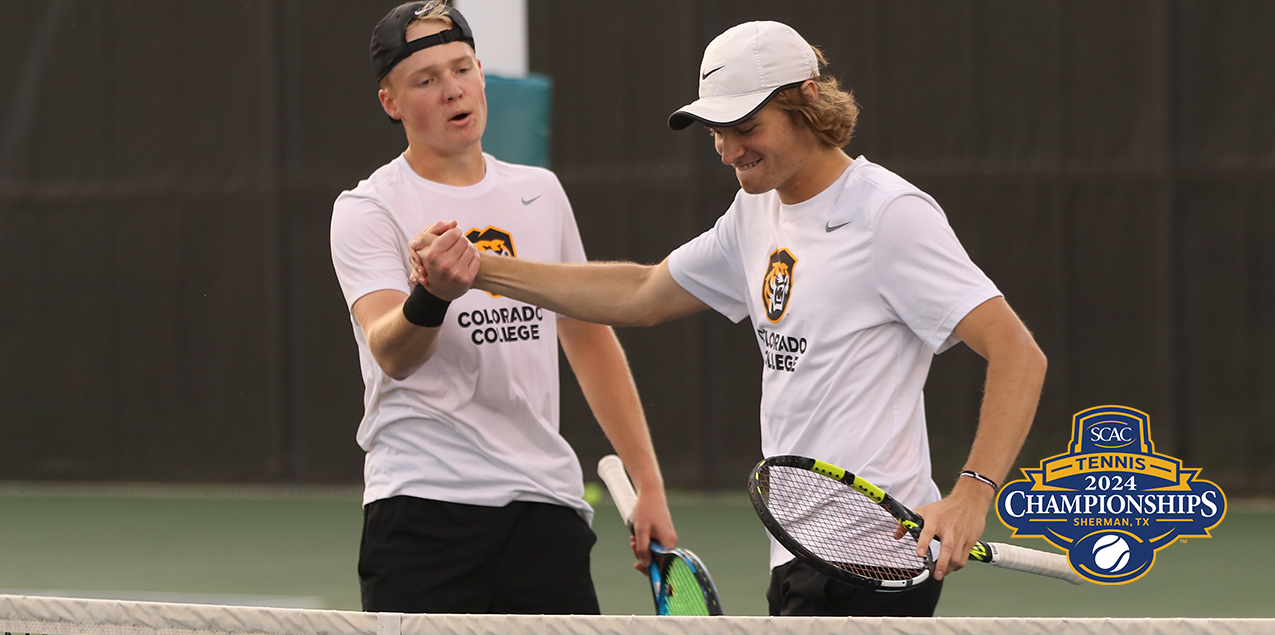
1111,502
776,287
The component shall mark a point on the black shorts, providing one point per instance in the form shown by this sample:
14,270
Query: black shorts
427,556
797,589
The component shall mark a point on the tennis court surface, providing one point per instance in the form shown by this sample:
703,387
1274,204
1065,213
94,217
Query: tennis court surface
297,548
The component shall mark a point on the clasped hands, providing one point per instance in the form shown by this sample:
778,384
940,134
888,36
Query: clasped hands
444,261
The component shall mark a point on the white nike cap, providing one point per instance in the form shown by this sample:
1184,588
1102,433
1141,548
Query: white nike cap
742,70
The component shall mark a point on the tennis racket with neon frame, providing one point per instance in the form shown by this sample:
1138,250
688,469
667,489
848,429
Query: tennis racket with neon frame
843,526
680,583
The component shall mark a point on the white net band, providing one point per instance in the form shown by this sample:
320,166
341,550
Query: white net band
59,616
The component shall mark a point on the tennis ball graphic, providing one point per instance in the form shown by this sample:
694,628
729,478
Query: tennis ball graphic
1111,553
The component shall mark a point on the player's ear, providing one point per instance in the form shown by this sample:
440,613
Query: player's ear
386,96
810,90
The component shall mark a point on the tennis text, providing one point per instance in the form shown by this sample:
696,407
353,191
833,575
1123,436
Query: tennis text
1102,462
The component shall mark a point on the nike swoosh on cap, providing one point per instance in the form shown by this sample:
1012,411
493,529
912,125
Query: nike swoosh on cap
705,75
531,200
829,227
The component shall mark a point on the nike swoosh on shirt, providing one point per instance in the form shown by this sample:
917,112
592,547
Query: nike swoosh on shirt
829,227
705,75
529,201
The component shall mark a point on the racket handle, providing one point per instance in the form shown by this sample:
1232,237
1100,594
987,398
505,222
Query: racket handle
611,470
1026,560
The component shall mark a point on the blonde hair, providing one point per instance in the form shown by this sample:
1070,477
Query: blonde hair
832,115
434,11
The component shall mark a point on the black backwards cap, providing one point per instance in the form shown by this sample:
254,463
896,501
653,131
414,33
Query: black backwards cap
389,38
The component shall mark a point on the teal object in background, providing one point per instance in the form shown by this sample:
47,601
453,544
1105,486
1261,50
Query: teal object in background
518,119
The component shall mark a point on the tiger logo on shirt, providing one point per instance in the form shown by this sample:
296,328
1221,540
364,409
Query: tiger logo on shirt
493,239
776,286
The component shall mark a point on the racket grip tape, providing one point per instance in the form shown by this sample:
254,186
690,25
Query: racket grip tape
611,471
1017,558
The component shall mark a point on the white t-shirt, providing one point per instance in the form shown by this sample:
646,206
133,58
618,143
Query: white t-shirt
851,294
478,422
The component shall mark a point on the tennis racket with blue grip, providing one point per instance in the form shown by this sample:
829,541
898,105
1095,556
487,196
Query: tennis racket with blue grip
680,583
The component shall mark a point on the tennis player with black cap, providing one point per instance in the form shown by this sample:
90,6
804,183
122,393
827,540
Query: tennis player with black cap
853,281
473,501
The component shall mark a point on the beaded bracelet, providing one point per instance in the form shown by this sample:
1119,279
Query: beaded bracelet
979,477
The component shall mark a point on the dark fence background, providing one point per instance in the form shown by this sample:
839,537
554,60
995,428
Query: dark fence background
167,171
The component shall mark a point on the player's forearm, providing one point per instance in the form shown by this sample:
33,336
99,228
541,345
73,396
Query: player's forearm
600,366
1015,376
602,293
400,347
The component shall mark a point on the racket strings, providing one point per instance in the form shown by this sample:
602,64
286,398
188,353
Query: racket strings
681,587
840,525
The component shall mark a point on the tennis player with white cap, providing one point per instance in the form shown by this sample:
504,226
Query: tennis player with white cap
853,281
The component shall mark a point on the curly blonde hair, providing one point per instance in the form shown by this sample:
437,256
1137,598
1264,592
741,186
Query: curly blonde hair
832,116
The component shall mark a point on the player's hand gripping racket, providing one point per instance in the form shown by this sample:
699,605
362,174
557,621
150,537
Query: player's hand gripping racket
679,581
844,527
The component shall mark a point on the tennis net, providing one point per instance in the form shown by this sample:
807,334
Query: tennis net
66,616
